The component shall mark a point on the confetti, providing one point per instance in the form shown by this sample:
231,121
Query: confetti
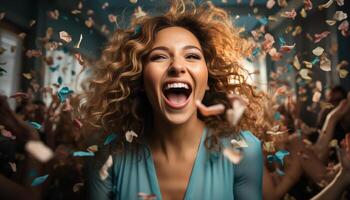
39,180
296,62
343,73
104,169
20,95
77,123
112,18
282,3
326,5
331,22
340,16
139,12
13,166
289,14
238,143
92,148
238,108
268,42
32,22
83,153
77,186
105,5
110,138
287,48
278,156
319,36
318,51
33,53
233,155
27,76
319,86
65,36
133,1
307,4
35,125
325,64
7,134
270,4
145,196
53,14
210,110
305,74
340,2
316,97
344,27
280,172
326,105
129,136
39,150
275,56
63,93
2,15
89,22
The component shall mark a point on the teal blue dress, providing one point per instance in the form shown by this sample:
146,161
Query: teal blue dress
213,176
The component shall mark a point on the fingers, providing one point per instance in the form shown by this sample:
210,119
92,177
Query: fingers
216,109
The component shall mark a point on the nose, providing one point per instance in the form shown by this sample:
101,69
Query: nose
176,68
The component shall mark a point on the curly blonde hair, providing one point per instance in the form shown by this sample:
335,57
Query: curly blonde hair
114,100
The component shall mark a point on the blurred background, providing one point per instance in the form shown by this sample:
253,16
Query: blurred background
301,52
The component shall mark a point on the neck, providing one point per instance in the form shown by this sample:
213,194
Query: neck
176,138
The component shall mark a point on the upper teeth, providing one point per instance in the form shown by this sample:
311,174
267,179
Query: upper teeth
177,85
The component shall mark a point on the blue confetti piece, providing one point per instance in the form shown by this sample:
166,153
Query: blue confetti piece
110,138
277,116
271,158
280,172
35,125
316,60
55,68
64,93
281,41
137,30
39,180
289,67
83,153
32,173
256,51
263,21
280,155
59,80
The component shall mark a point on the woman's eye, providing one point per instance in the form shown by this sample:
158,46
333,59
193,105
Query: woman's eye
193,56
157,57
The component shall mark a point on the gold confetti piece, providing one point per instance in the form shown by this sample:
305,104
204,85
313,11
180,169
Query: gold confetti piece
22,35
282,3
304,73
112,18
271,18
32,22
27,76
13,166
297,30
270,4
80,39
104,169
343,73
233,155
75,12
340,16
129,136
269,146
303,13
133,1
340,2
319,86
289,14
333,143
296,62
39,150
316,97
77,187
89,22
105,5
307,64
53,14
318,51
331,22
2,15
325,64
65,36
92,148
326,5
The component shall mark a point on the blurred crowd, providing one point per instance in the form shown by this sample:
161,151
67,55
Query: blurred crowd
302,161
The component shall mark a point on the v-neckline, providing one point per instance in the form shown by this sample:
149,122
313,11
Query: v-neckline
154,182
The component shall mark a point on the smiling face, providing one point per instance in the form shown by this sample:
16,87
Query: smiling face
175,75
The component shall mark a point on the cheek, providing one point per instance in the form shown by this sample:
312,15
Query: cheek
151,80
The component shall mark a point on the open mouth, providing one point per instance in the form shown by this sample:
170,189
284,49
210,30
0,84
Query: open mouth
177,94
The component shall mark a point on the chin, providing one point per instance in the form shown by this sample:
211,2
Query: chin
178,118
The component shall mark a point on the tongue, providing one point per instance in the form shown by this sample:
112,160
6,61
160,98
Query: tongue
176,98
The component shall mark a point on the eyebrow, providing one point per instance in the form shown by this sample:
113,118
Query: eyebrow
167,49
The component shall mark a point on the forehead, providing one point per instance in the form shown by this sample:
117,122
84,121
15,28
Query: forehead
175,36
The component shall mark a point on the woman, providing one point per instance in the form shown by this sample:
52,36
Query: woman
149,80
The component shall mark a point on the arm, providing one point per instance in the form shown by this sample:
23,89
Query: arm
249,172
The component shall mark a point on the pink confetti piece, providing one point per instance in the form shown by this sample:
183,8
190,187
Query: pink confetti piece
77,123
53,14
275,56
344,28
319,36
7,134
307,4
287,48
289,14
268,42
210,110
145,196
